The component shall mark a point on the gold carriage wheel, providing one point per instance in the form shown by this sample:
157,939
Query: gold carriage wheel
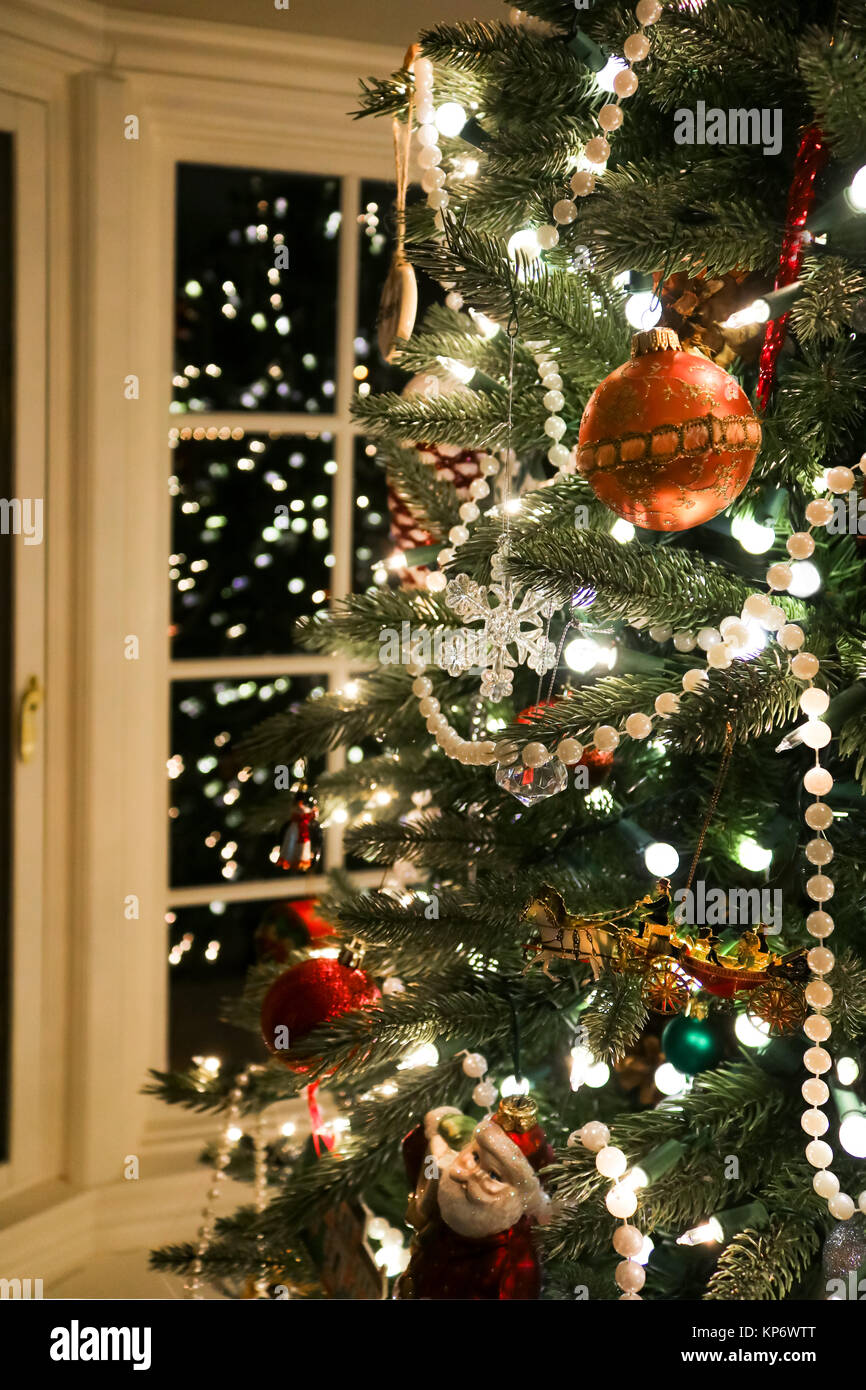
781,1004
665,987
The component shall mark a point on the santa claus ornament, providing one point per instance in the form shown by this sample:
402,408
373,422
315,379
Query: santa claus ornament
669,439
477,1195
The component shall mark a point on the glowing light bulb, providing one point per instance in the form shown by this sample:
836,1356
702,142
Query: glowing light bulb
458,369
525,241
752,855
753,537
857,190
707,1234
597,1075
752,1031
604,78
852,1134
450,118
581,654
512,1087
847,1070
805,579
427,1055
757,312
488,328
661,859
668,1080
643,310
622,531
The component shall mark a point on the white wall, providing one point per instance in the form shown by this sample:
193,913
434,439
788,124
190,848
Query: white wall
375,21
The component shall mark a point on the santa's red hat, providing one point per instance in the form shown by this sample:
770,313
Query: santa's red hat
514,1137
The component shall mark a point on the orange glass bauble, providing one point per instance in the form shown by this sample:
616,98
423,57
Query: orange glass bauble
669,439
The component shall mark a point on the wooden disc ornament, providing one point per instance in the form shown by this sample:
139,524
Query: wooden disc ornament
669,439
399,303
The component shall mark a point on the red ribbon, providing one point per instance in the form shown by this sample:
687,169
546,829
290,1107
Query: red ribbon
812,156
319,1138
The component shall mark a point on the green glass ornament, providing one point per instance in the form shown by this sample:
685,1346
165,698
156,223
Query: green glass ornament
693,1044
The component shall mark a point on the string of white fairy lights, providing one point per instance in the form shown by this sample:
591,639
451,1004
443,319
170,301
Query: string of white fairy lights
733,639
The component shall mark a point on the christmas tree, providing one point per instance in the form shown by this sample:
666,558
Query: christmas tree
615,680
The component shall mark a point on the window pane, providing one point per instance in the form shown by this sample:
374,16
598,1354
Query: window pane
371,520
212,791
252,543
210,949
252,333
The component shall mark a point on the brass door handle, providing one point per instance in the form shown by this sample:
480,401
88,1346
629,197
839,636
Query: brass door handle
31,702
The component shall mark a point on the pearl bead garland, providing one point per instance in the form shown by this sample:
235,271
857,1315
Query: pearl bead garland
596,151
554,426
485,1093
621,1202
429,154
221,1162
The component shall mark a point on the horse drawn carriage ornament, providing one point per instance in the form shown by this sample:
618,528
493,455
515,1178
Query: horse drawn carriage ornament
673,963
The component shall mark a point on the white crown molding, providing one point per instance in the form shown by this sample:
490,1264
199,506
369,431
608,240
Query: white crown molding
77,33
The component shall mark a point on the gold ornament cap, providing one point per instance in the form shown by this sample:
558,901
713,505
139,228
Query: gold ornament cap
655,340
517,1113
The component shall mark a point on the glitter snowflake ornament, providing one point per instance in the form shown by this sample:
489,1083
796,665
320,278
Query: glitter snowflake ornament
505,624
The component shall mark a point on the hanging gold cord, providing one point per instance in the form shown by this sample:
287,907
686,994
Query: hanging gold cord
402,150
714,800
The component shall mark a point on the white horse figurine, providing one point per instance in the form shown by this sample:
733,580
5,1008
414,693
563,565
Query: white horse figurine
564,935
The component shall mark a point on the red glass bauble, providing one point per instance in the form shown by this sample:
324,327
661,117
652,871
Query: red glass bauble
598,763
669,439
305,995
533,712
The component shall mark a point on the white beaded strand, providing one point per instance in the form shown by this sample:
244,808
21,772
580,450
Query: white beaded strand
596,152
621,1202
221,1162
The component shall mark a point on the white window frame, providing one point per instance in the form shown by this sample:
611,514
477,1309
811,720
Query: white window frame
204,93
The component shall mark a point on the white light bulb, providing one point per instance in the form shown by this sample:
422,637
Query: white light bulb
847,1070
758,312
752,855
604,78
707,1234
457,369
805,579
450,118
752,1031
852,1134
754,538
597,1075
668,1080
486,327
645,1251
525,241
582,654
512,1087
622,531
857,190
643,310
661,859
427,1055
